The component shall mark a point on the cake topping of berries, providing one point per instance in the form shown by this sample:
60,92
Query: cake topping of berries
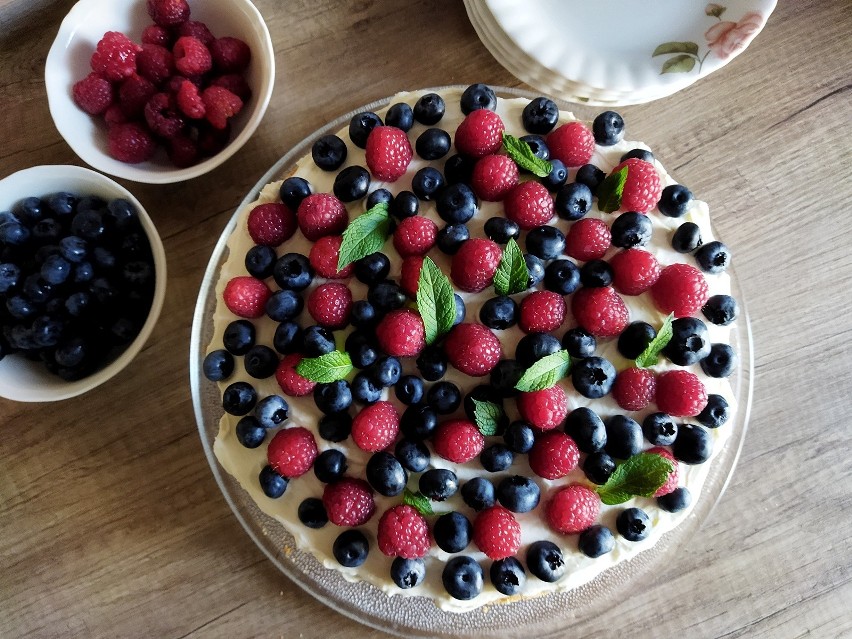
554,455
349,502
634,388
680,289
289,380
388,153
330,305
473,349
588,239
600,311
497,533
572,143
634,271
480,134
401,333
681,393
542,312
642,188
403,532
573,509
458,440
476,262
271,224
544,409
322,214
493,177
414,235
324,257
292,451
375,427
246,296
529,204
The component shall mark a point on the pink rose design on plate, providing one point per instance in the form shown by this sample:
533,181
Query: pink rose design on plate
726,38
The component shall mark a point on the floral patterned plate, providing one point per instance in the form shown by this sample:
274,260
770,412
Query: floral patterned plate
616,51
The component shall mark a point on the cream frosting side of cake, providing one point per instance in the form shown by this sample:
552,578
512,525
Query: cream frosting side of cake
245,464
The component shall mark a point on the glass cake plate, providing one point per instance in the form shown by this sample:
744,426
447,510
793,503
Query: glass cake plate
413,616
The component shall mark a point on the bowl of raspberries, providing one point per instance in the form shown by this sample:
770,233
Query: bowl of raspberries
159,91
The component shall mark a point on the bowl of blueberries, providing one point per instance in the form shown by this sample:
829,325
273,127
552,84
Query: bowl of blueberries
82,281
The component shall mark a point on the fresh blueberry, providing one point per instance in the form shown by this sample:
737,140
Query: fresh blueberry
238,337
387,371
218,365
62,204
438,484
429,109
351,184
249,432
79,303
573,201
404,205
360,127
623,437
365,390
686,238
591,176
386,296
537,145
721,309
433,144
579,343
713,257
540,115
638,154
73,353
293,272
408,573
312,513
633,524
562,276
518,493
499,312
287,338
362,349
409,389
458,169
316,341
260,361
351,548
14,234
716,413
284,305
37,290
336,427
557,177
505,376
260,261
239,398
386,474
676,500
413,455
47,331
478,96
635,338
496,458
720,362
427,182
545,561
461,310
535,267
545,242
363,315
463,578
508,576
596,274
534,346
608,128
418,421
500,229
293,190
519,437
400,115
596,541
271,411
432,363
593,377
694,444
379,196
689,343
478,493
272,484
334,397
372,269
456,204
88,224
47,230
659,429
451,237
329,152
598,467
630,230
73,248
121,215
586,429
445,397
675,200
452,532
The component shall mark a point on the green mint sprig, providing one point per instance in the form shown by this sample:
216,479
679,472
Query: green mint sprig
652,351
435,301
365,235
326,368
487,416
640,476
523,156
512,275
545,372
418,501
611,190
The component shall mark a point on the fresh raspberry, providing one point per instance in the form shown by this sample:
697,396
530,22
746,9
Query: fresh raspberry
189,101
271,223
115,56
375,427
162,116
94,94
114,115
348,502
197,30
388,153
246,296
473,349
680,393
409,278
401,333
155,34
191,56
493,177
155,63
681,289
497,533
415,236
230,55
600,311
174,83
671,482
183,151
572,143
541,312
330,305
529,204
212,140
292,451
325,256
403,532
220,105
634,388
133,95
235,83
130,142
289,380
322,214
643,188
458,440
573,509
480,134
634,271
554,455
545,409
475,263
588,239
168,13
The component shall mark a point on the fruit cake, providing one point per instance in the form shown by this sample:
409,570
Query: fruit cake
473,349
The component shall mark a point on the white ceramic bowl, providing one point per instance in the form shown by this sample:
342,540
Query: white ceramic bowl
27,381
69,58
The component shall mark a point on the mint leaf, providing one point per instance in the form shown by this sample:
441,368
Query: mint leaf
325,368
642,475
523,156
487,416
435,301
545,372
611,190
652,351
365,235
417,501
512,275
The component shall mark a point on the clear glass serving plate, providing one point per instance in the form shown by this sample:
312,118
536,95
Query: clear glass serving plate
413,616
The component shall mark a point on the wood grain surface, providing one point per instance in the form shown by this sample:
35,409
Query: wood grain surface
111,524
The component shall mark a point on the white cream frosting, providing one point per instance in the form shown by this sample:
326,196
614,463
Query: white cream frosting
245,464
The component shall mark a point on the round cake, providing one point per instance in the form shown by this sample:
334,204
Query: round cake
473,349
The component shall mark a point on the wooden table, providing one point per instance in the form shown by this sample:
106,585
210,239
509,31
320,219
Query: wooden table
111,524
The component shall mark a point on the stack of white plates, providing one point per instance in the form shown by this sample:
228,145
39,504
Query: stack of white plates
615,52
